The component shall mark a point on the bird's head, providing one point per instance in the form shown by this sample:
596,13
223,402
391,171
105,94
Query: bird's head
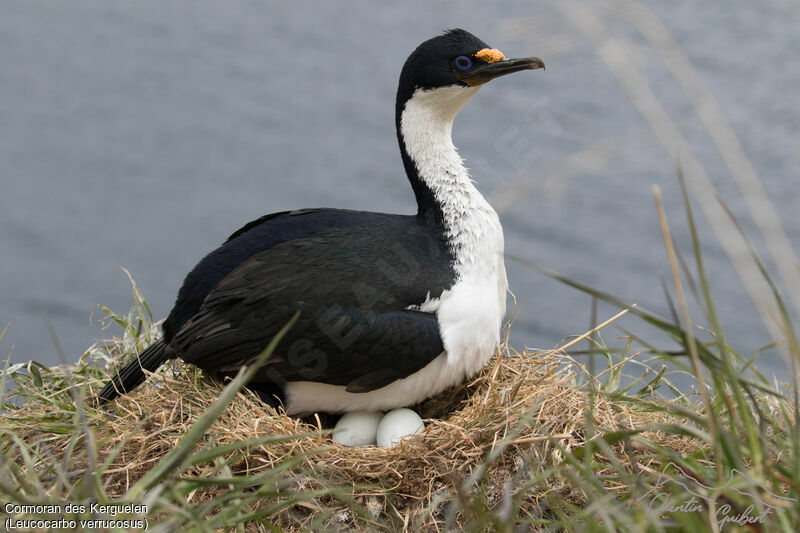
456,59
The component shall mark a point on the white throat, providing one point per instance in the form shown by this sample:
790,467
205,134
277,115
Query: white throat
473,227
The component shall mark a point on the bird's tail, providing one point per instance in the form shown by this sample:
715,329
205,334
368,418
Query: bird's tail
132,375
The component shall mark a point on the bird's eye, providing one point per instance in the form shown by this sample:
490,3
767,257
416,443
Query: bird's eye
463,63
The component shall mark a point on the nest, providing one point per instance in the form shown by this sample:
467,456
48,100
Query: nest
522,411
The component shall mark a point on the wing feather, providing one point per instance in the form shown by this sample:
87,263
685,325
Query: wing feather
353,287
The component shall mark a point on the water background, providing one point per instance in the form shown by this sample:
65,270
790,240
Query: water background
142,134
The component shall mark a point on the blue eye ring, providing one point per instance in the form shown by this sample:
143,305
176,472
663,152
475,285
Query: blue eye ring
463,63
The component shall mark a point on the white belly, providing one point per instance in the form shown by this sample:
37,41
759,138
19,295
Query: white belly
308,397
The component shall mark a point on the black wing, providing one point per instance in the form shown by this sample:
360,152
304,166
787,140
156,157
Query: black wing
258,236
353,285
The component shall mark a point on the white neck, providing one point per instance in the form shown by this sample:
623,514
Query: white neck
471,312
473,228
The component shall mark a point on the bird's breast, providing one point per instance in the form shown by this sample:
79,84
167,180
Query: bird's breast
470,317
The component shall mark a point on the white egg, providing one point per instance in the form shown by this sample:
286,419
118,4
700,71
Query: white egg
397,425
357,428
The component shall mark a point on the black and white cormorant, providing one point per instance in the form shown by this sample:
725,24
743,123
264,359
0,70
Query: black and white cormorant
393,308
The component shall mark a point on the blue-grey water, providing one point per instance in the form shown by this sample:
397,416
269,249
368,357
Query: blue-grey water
141,134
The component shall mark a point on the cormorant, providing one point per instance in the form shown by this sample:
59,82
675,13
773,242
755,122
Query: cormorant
393,308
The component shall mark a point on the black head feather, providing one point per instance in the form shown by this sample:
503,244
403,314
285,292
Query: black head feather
431,65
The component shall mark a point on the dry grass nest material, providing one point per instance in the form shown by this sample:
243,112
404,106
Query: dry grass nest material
529,400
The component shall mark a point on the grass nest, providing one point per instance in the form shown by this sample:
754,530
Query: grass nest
511,423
